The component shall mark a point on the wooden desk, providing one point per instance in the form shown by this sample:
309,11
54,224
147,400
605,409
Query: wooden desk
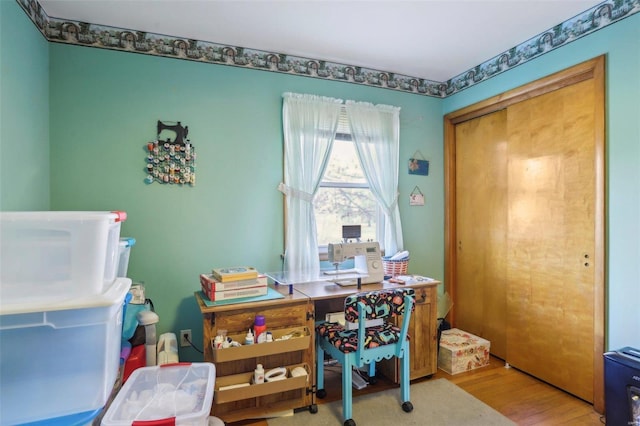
307,304
423,328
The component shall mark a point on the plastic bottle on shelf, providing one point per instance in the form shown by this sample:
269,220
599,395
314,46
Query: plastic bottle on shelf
249,340
258,375
259,327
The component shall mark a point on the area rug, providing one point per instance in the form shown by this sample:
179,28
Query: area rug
435,403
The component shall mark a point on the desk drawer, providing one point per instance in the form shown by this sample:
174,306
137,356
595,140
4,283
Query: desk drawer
424,296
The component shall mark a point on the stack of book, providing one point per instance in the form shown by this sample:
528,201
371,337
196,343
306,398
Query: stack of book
233,283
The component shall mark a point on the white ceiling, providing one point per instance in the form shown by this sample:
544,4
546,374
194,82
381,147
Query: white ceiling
431,39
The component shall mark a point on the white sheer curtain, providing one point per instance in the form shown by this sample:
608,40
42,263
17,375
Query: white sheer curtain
375,130
309,124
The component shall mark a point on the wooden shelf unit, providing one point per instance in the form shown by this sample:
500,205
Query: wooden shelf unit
236,364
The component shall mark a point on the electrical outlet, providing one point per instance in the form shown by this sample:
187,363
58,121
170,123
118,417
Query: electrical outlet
185,338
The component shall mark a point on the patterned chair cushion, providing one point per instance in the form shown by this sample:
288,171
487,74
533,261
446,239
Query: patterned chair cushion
378,304
347,340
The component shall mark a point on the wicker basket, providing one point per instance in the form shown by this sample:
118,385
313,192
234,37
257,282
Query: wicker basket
395,267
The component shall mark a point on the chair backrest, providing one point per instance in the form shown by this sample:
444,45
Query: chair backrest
379,304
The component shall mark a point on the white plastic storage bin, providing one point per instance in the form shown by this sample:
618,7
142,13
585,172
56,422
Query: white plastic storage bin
62,360
123,255
51,256
182,391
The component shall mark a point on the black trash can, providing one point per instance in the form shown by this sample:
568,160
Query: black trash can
622,387
442,326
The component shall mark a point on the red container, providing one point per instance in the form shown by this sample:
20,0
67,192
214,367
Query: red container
137,359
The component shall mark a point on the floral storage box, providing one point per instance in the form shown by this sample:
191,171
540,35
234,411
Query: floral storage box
461,351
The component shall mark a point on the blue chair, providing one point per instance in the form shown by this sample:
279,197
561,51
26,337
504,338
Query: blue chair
367,344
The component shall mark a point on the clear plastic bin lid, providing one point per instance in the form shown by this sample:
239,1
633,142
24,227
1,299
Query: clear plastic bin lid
116,216
111,295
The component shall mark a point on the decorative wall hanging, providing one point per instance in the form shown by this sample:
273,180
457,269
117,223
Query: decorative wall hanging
171,161
418,165
416,198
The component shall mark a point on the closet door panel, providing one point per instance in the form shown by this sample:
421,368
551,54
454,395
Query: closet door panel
550,291
481,228
551,223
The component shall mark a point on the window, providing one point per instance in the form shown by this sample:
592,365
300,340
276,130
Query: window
375,130
344,197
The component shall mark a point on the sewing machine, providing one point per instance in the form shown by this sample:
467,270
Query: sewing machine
367,260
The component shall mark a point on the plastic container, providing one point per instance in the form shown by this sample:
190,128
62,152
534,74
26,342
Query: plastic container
124,251
53,256
249,338
395,267
259,327
182,391
167,349
62,360
258,375
137,359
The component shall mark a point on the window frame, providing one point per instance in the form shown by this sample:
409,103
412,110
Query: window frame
344,135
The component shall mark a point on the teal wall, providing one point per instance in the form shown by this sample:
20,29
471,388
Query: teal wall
24,112
621,45
101,107
104,108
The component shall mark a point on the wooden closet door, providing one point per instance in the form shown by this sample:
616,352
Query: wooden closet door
551,244
481,224
554,246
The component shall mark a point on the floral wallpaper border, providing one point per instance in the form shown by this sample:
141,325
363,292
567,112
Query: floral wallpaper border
105,37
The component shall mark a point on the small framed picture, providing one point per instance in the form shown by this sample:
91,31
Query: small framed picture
416,198
418,167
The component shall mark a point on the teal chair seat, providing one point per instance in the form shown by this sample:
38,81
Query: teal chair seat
365,345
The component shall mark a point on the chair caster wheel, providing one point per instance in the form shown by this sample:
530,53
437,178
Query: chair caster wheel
407,407
349,422
313,408
321,393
